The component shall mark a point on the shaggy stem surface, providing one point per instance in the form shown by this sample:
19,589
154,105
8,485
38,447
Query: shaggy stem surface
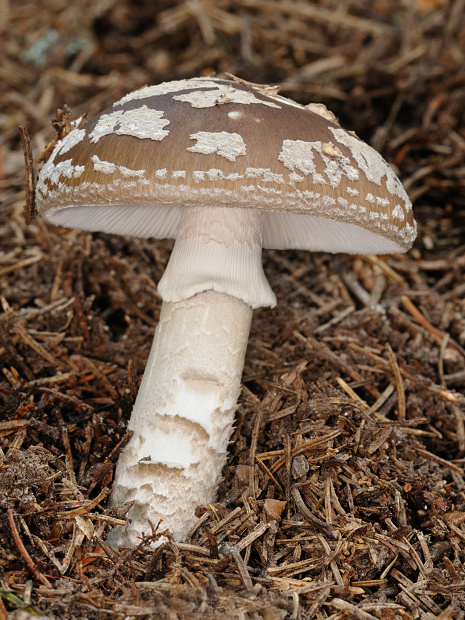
183,416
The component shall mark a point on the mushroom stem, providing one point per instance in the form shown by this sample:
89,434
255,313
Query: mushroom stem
183,416
218,249
184,413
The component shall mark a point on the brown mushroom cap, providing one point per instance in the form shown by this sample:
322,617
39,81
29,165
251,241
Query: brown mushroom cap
208,141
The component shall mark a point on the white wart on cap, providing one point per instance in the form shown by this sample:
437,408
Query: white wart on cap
206,141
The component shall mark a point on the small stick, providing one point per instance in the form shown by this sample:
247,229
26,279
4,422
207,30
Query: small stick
381,400
61,122
350,392
67,445
389,271
258,531
244,573
318,602
434,331
23,552
304,447
332,562
401,410
438,459
109,461
347,607
30,209
22,263
38,348
263,88
442,352
326,528
100,376
268,474
253,451
287,473
460,429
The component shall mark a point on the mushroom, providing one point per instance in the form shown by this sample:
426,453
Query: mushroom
225,168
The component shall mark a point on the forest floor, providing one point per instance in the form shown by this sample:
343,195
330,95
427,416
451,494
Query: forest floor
344,493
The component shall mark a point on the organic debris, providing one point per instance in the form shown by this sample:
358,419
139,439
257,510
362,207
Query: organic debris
344,493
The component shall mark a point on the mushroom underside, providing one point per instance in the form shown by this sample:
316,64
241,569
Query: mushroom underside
281,231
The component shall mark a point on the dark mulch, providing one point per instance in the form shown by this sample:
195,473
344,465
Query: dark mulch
344,494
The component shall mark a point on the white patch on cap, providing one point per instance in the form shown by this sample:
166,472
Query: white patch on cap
54,172
398,213
140,123
166,88
408,232
295,178
300,155
264,174
68,170
395,187
228,145
128,172
352,191
198,176
74,137
107,167
47,169
161,174
235,114
337,168
248,188
214,174
372,164
222,93
178,174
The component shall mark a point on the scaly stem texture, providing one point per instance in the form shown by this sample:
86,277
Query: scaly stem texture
183,416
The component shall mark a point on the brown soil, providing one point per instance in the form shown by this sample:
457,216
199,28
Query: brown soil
344,494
